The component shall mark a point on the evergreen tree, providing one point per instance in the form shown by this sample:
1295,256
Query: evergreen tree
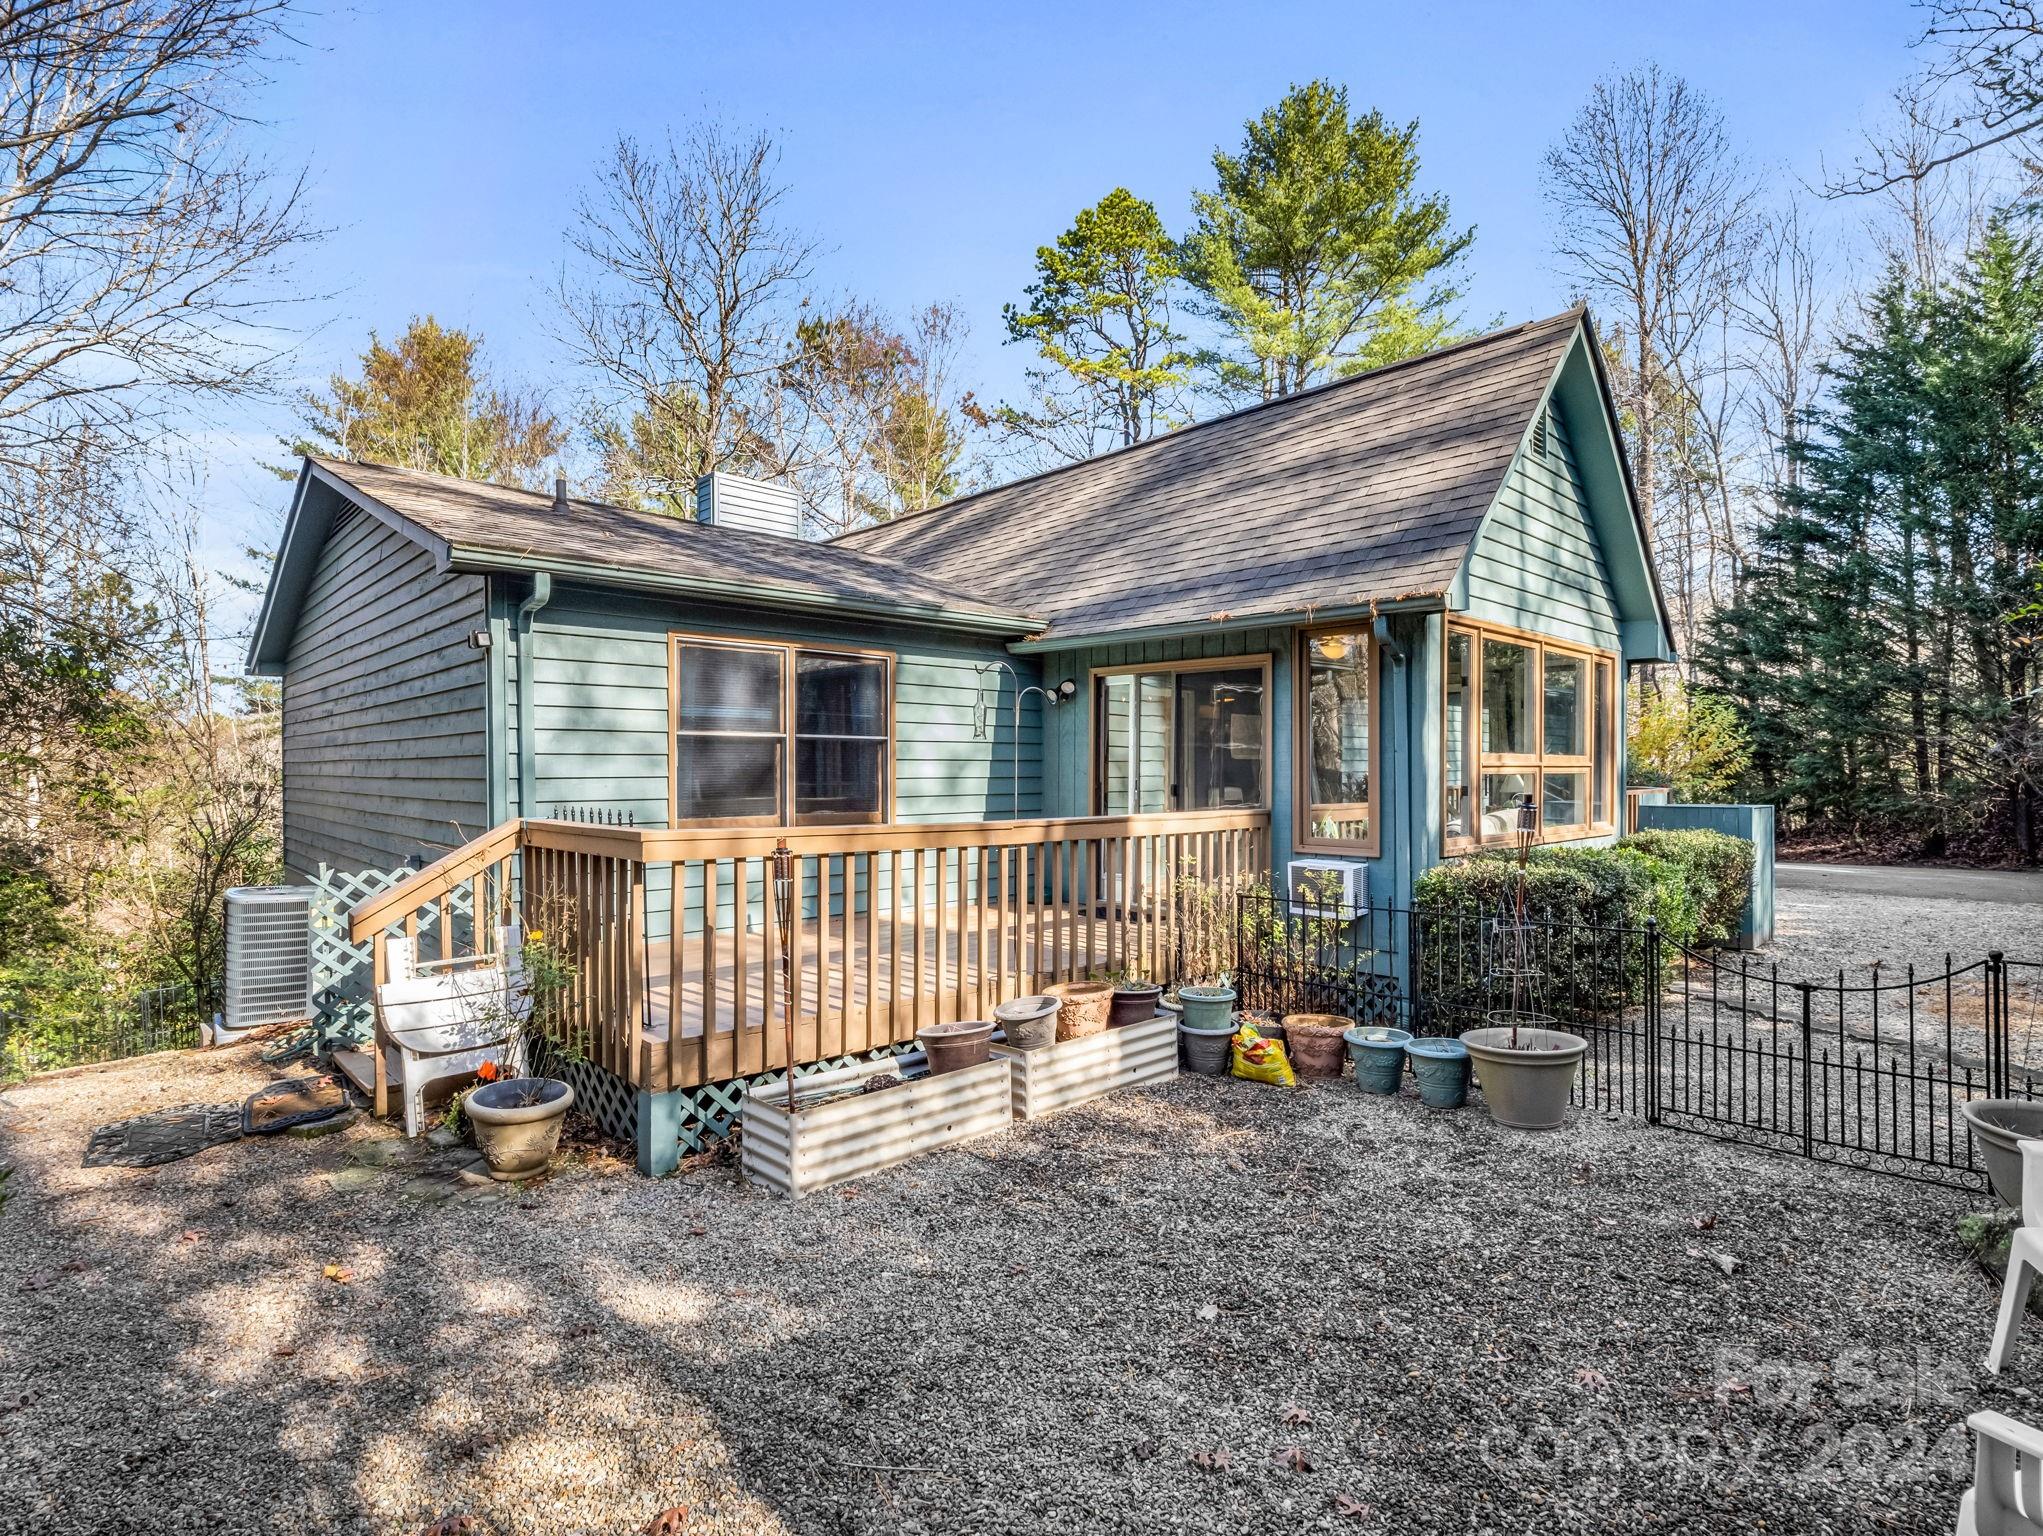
1313,250
423,404
1100,318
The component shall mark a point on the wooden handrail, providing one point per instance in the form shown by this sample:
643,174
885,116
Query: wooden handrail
422,887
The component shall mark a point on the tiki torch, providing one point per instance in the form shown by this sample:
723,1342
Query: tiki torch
783,911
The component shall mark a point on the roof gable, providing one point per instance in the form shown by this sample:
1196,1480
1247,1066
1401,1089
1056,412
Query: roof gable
1360,493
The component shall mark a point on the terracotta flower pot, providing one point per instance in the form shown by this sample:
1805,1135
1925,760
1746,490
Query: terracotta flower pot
1134,1003
1030,1023
1083,1007
517,1123
953,1047
1315,1043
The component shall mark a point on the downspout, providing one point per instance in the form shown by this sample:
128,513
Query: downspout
542,594
1402,872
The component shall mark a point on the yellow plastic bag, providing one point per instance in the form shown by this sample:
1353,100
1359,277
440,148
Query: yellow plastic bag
1261,1060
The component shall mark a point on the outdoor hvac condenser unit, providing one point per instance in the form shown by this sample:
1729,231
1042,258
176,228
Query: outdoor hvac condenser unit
1327,887
269,959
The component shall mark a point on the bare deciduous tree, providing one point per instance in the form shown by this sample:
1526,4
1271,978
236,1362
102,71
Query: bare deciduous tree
134,232
1782,310
683,299
1652,205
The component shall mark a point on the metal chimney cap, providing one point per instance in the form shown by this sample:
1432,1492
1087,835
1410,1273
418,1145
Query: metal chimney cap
560,500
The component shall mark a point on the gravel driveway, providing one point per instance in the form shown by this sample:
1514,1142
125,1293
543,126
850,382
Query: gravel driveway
1150,1315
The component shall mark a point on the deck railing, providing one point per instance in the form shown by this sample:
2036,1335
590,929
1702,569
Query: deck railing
675,945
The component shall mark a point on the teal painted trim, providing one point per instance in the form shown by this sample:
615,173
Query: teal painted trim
1232,624
659,1132
752,594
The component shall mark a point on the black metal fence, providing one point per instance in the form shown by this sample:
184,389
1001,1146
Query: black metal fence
111,1029
1869,1072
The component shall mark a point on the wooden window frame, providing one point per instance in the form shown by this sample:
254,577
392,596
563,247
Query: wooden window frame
1537,763
789,651
1096,743
1302,838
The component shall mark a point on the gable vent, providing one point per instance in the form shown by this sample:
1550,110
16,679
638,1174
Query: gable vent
1539,435
347,514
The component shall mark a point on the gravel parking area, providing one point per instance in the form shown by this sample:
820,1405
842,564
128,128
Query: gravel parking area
1210,1306
1816,931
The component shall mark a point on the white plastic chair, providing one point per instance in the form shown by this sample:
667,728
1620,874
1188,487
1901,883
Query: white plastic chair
2025,1258
2007,1475
448,1017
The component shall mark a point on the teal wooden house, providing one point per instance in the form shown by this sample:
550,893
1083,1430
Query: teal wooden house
1027,735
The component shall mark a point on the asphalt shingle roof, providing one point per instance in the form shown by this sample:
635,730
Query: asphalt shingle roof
1364,490
526,526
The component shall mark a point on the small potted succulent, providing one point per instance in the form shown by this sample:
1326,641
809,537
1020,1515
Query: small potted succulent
1030,1023
517,1117
1135,1002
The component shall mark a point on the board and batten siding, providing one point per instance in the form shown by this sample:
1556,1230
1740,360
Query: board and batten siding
385,707
1537,564
600,708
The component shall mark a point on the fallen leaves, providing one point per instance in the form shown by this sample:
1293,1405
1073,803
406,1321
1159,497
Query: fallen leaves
451,1525
339,1274
1733,1388
192,1235
1215,1460
1728,1263
1348,1507
1208,1313
668,1521
1294,1416
1291,1458
1703,1223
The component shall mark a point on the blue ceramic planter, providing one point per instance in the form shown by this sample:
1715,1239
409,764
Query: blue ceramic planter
1379,1056
1207,1007
1441,1068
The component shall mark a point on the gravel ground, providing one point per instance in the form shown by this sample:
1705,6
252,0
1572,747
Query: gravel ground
1457,1328
1816,932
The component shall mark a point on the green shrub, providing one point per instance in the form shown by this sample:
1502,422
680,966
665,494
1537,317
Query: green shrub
1717,868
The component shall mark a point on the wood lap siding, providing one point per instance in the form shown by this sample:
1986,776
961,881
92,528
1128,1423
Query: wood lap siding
1537,564
600,708
385,707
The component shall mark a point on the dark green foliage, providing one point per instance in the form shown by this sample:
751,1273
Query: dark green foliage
1590,906
1882,648
1717,869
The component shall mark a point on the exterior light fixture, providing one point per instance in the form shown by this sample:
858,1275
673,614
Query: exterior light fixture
1331,647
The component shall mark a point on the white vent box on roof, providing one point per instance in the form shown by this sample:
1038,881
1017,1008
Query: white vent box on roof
1327,886
269,959
736,501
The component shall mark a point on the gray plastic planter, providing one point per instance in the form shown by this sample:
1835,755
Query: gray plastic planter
1030,1023
1208,1007
1440,1068
1209,1052
1379,1056
2000,1126
1526,1086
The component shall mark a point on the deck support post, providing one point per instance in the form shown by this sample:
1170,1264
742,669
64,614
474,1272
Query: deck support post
659,1133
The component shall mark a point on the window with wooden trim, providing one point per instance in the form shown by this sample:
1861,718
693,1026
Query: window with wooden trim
769,734
1336,744
1523,715
1192,736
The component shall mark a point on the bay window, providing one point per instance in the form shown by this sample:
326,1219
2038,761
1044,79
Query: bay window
1337,741
766,734
1525,716
1188,737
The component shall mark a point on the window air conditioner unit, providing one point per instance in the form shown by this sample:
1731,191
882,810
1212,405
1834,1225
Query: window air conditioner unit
1327,886
269,959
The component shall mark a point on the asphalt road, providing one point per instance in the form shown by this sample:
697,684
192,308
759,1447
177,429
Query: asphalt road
1996,885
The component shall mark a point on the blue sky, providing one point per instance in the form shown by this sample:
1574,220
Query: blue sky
933,147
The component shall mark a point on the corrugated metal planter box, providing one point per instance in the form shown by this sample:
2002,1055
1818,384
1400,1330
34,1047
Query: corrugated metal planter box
1078,1071
865,1133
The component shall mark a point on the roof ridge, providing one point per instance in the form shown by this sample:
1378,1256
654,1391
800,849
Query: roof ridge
1575,312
